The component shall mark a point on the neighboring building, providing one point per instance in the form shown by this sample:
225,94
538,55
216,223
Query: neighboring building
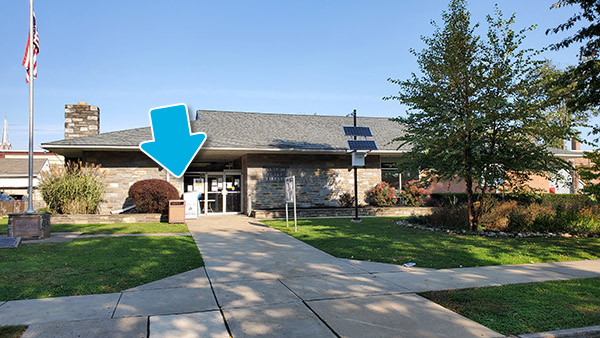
244,161
14,168
564,183
14,176
5,144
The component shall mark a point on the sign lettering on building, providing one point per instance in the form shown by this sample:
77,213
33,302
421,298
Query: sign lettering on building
275,175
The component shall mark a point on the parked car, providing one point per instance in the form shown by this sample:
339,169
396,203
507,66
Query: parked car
6,198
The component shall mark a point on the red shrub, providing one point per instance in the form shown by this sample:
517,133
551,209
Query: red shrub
152,195
382,195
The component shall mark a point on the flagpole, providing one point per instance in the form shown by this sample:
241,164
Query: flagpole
31,70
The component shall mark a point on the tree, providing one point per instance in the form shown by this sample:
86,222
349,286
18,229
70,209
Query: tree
591,174
558,91
587,72
586,75
476,112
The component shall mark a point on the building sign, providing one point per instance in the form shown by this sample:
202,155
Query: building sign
191,204
290,189
275,175
290,197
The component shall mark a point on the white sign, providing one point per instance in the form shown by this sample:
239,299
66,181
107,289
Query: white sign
290,189
191,204
290,197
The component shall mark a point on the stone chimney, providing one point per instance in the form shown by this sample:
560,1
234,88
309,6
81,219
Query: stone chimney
575,145
81,119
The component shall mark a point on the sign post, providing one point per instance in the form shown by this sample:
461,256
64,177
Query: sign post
290,197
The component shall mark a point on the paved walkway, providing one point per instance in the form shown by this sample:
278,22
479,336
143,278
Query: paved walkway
260,282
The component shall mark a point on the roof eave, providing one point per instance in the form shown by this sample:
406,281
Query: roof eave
56,147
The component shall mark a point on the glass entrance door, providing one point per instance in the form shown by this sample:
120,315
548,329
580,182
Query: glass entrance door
233,193
215,193
218,192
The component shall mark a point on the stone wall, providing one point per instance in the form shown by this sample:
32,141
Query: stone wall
320,179
121,169
344,212
81,120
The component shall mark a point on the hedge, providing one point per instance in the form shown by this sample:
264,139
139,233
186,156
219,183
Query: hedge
448,199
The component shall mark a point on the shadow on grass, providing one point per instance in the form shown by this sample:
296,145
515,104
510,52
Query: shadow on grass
92,266
381,240
526,308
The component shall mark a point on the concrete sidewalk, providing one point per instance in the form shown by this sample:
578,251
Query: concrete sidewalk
264,280
261,282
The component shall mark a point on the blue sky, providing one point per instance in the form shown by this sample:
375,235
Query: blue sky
324,57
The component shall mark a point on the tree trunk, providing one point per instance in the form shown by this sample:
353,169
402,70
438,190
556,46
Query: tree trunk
481,202
473,219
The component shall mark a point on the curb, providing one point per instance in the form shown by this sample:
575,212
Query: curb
580,332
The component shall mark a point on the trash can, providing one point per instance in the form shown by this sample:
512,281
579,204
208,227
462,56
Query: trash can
177,211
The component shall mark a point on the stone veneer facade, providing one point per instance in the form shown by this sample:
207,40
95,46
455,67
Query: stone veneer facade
320,179
121,169
81,120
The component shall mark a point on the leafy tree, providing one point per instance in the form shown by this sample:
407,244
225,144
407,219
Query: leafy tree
591,174
558,91
586,75
587,72
476,111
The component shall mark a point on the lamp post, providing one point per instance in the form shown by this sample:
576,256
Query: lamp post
356,218
359,150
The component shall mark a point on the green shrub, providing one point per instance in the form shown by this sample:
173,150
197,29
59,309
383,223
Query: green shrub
72,189
382,195
550,216
448,199
152,195
346,200
495,215
456,217
413,194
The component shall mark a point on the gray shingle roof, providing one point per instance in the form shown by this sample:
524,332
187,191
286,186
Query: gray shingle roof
12,167
237,130
565,152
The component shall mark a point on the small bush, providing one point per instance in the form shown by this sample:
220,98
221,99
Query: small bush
448,199
456,217
72,189
346,200
413,194
153,195
495,215
548,217
382,195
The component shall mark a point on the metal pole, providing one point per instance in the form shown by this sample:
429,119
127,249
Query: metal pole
295,218
355,180
287,218
31,69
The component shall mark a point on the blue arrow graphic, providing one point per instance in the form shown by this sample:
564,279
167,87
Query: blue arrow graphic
174,146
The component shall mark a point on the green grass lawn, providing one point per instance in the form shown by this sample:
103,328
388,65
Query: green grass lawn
527,308
91,266
118,228
3,225
121,228
380,239
12,331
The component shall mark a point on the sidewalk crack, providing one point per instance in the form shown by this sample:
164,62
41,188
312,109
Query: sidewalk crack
117,305
311,310
212,289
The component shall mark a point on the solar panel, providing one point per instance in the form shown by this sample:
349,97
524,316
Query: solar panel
362,145
357,131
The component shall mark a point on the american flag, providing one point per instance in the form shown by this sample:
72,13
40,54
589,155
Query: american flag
36,49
